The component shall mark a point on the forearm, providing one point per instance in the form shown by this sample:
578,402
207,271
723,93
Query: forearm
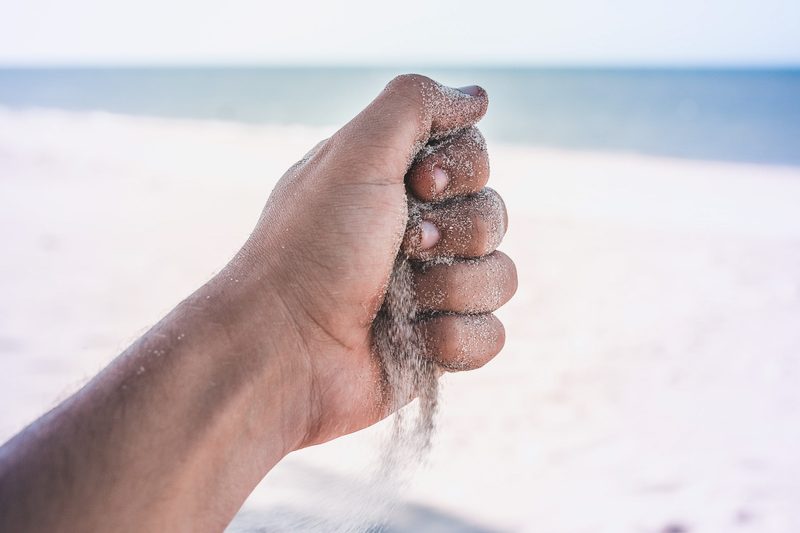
173,435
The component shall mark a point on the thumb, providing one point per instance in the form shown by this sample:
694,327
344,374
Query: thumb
439,110
409,112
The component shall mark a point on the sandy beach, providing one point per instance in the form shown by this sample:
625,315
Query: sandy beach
649,380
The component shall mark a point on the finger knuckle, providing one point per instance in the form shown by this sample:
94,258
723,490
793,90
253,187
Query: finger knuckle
512,278
500,336
409,85
479,241
450,341
498,211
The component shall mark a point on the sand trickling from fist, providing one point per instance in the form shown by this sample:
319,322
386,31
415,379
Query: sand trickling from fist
408,372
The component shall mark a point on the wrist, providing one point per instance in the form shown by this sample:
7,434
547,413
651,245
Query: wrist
255,338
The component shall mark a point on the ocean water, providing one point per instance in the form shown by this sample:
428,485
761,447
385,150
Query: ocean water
733,115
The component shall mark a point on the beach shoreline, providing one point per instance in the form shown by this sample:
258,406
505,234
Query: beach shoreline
650,371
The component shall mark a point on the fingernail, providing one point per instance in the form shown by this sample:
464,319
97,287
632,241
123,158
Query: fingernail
440,179
472,90
430,235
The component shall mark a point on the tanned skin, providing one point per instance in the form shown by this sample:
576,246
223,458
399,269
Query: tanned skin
274,353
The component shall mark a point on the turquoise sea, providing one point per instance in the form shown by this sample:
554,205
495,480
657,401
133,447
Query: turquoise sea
733,115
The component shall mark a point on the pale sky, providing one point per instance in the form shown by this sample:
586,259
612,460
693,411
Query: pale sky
318,32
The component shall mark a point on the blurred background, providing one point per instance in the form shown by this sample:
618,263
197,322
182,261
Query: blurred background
649,156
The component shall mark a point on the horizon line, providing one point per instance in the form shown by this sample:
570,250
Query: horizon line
402,66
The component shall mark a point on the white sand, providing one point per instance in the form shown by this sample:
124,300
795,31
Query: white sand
650,375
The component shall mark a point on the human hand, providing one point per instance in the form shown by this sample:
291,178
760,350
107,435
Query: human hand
276,352
329,234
